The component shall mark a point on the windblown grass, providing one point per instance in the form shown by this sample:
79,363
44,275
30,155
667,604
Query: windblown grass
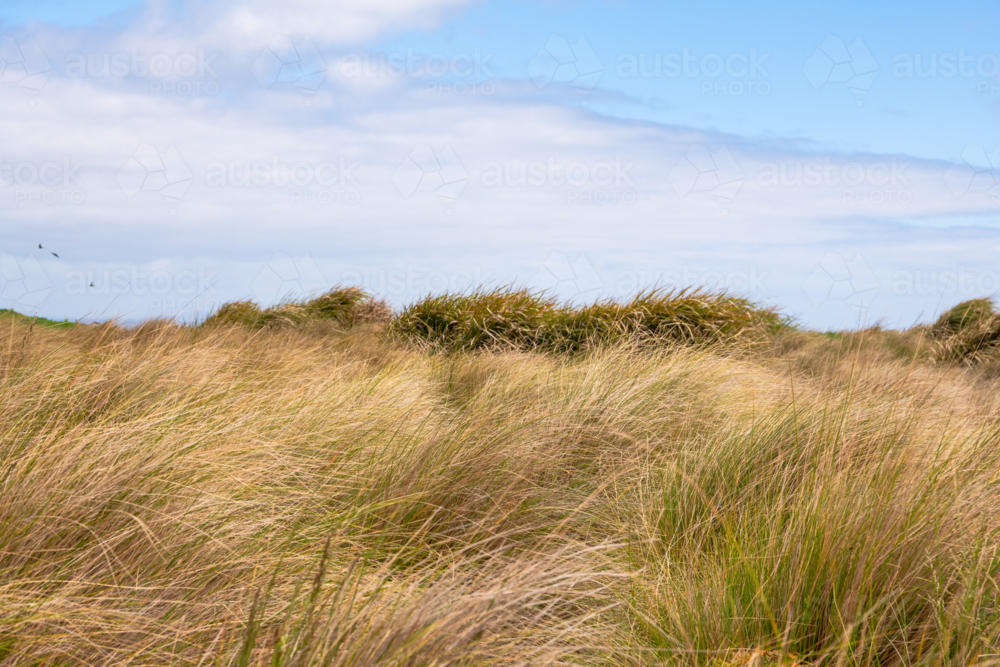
507,318
343,306
226,495
969,333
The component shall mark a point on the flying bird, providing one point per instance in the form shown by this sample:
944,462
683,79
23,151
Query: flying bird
91,284
55,255
39,246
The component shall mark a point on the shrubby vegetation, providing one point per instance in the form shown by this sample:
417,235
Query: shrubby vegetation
518,319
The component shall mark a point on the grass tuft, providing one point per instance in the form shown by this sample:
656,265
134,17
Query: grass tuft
508,318
343,306
968,333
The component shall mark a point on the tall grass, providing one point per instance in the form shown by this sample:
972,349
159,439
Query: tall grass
226,495
343,306
968,333
507,318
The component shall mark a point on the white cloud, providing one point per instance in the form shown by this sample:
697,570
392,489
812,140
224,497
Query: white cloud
326,21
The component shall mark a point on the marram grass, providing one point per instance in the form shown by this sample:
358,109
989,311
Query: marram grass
294,495
968,333
343,306
509,318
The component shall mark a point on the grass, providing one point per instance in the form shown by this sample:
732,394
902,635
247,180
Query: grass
969,333
342,306
304,492
508,318
7,315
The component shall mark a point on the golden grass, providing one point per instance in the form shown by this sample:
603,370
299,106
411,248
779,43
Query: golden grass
229,496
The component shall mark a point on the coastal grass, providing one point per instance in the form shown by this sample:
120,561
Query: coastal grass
342,306
511,318
289,494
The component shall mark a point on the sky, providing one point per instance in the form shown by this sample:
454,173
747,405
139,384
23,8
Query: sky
838,161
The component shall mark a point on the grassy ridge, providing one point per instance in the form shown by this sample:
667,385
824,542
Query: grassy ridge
512,318
519,319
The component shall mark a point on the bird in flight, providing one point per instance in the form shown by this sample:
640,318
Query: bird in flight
39,246
55,255
91,284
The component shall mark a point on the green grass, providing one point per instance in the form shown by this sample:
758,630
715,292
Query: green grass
343,306
518,319
14,316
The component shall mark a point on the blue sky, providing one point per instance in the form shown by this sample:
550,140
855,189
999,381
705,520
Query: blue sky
924,117
58,12
837,160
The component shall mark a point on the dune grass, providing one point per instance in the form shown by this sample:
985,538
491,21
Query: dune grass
968,333
284,495
511,318
342,306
